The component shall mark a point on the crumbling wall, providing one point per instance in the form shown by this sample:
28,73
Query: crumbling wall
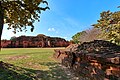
97,60
35,41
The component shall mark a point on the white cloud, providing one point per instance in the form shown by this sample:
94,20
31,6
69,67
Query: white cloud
51,29
72,22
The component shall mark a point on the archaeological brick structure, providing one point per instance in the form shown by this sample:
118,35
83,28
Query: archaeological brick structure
34,41
95,60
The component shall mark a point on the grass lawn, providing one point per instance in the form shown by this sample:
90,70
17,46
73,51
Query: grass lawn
30,64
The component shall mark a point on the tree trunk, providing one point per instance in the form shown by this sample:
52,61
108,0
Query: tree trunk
1,22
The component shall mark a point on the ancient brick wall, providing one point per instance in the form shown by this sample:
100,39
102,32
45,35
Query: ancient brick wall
5,43
96,60
35,41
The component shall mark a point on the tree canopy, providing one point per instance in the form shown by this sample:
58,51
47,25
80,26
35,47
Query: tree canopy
89,35
109,23
76,37
20,13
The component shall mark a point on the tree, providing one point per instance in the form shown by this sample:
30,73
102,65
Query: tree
109,23
92,34
13,38
20,13
89,35
77,36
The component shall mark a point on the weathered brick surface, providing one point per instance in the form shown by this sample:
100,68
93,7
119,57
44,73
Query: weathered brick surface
35,41
97,60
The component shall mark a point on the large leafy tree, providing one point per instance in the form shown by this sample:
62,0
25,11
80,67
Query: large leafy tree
20,13
109,23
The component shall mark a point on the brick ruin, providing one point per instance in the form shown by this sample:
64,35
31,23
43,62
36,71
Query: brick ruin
95,60
34,41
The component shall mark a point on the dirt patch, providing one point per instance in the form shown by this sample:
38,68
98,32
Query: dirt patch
17,57
33,65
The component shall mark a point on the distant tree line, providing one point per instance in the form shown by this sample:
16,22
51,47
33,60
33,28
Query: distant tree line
88,35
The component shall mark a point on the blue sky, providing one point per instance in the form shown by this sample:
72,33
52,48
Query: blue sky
66,17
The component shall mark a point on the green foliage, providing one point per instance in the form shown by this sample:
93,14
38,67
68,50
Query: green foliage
13,38
21,13
109,23
77,36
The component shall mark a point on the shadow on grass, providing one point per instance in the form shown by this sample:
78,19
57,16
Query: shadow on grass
11,72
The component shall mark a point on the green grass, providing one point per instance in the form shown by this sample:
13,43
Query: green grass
27,57
30,64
